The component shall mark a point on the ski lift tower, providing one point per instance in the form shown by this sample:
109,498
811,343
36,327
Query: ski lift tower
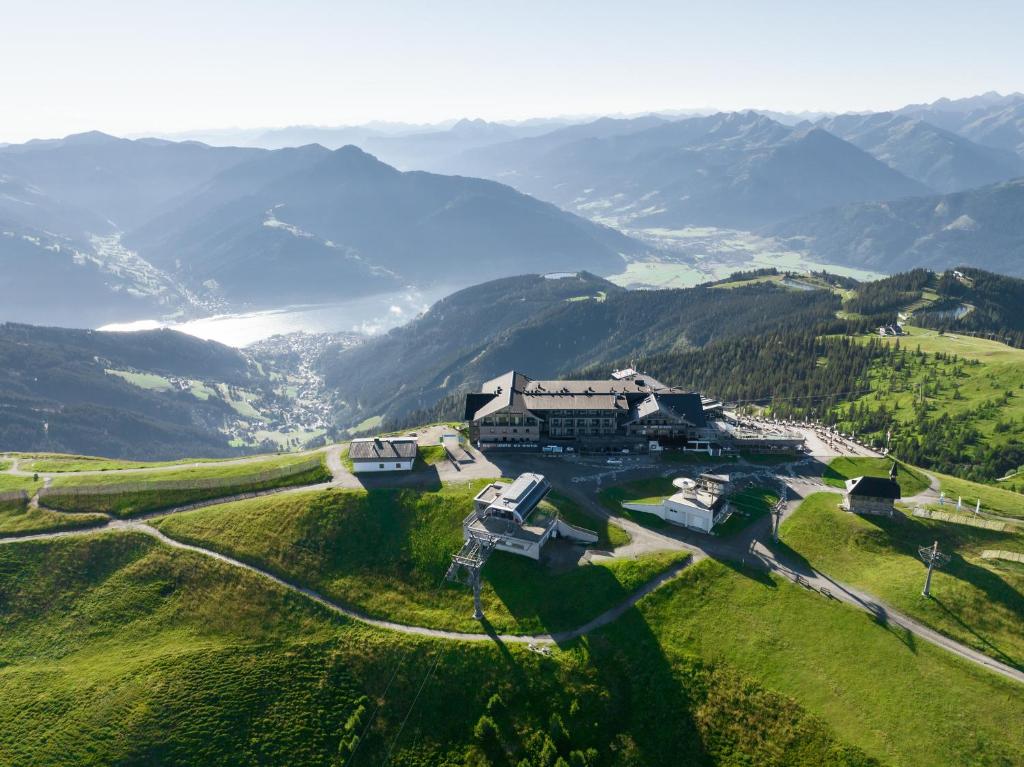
467,564
932,557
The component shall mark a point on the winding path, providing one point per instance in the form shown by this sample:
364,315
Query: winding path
751,547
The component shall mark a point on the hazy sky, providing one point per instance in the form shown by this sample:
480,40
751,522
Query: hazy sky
130,67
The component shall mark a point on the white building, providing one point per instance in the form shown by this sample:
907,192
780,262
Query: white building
508,518
699,504
383,454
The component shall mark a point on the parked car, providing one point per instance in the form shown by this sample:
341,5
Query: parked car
614,461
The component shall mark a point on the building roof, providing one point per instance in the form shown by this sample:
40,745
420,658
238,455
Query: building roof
383,449
722,479
519,498
675,405
873,487
520,392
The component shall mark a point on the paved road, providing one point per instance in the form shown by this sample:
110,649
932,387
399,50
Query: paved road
753,548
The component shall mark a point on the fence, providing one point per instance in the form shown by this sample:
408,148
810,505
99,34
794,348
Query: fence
960,519
1009,556
199,483
14,496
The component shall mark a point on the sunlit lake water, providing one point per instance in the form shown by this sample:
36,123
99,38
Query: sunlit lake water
370,315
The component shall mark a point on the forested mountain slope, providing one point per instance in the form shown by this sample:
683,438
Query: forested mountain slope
981,227
56,393
547,327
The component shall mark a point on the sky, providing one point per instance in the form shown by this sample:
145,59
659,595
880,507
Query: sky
140,66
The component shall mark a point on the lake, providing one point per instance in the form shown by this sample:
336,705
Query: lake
370,315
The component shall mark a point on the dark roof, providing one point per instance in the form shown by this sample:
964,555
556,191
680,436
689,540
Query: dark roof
383,449
520,392
678,406
873,487
474,402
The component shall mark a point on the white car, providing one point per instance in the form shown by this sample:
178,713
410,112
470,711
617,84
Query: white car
614,461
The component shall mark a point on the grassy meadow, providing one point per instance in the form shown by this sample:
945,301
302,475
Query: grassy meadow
53,463
1006,503
977,602
123,495
116,650
386,552
20,519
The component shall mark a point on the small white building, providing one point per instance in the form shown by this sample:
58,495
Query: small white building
699,505
383,454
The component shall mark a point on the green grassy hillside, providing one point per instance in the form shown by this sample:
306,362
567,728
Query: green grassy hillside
955,403
133,493
994,499
18,482
62,462
976,601
386,552
114,649
19,519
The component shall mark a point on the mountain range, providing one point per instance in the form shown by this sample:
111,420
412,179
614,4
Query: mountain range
737,170
979,227
940,159
96,229
157,225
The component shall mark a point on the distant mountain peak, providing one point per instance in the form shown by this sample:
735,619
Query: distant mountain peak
351,158
91,137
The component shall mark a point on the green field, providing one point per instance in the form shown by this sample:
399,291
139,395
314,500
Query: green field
977,602
18,482
115,650
386,553
143,380
609,535
432,454
366,425
876,686
839,470
19,519
128,494
1006,503
968,347
206,471
53,463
